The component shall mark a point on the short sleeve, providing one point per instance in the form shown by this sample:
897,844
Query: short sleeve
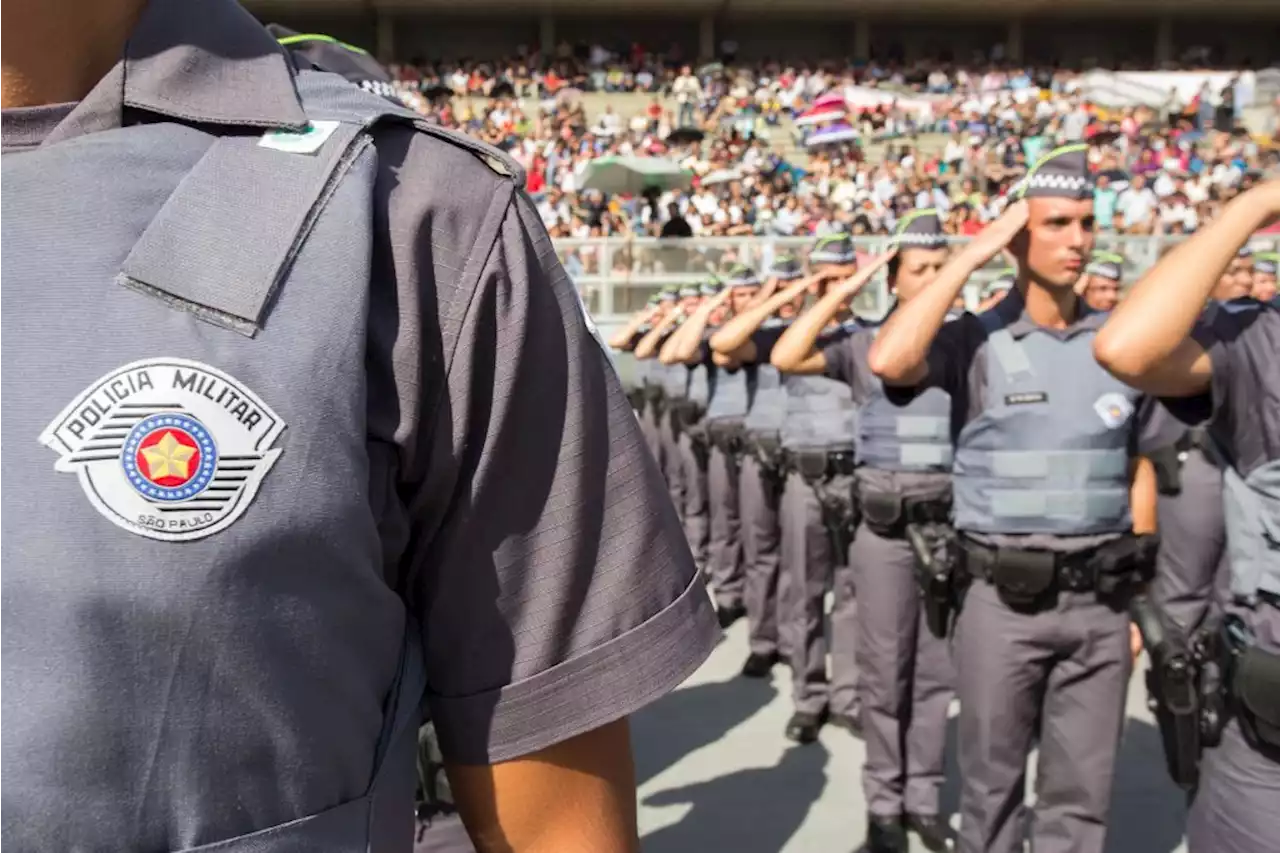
765,338
1202,407
552,580
1154,427
839,357
948,361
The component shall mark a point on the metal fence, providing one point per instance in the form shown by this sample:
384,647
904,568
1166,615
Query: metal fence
617,275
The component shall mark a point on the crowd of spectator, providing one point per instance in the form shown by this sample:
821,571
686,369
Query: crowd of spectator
933,135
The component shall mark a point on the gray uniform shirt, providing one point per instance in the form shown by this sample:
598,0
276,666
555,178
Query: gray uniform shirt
534,543
957,363
1244,393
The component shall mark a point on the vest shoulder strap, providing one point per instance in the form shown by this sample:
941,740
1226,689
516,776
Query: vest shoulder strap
1009,354
224,241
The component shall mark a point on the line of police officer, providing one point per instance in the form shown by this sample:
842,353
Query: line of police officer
981,478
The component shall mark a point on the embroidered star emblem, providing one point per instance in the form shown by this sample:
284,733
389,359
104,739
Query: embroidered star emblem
168,458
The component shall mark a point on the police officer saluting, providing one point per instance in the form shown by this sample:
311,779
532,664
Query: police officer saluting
1159,341
306,426
743,344
902,478
1047,499
647,379
687,350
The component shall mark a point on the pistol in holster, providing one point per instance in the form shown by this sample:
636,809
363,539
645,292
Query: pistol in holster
773,469
700,444
839,516
936,549
1184,689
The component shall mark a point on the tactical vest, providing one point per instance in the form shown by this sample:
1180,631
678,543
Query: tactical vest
911,437
1049,452
701,384
675,379
820,415
260,687
730,400
768,407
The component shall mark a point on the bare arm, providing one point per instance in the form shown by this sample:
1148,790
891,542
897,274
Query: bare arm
1145,342
796,351
578,796
621,339
734,339
1143,495
649,343
901,349
684,345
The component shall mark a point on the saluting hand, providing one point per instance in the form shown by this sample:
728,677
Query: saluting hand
996,236
859,279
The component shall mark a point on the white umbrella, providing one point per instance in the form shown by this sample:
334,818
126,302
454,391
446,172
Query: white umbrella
634,175
721,176
818,118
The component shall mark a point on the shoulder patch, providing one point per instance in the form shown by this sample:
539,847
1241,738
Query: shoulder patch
167,448
1114,409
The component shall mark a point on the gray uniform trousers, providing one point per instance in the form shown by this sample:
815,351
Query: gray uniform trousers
651,432
1192,572
672,461
1061,674
725,556
695,512
906,681
758,507
811,567
1237,806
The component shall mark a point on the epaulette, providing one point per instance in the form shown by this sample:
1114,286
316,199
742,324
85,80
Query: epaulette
495,158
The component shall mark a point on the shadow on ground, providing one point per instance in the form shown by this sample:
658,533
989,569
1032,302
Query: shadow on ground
691,718
749,811
1148,811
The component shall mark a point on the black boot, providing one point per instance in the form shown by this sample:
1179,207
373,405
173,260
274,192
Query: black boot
758,665
885,835
803,726
933,831
729,613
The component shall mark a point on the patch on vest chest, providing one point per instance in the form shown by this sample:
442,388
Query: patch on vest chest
1114,409
167,448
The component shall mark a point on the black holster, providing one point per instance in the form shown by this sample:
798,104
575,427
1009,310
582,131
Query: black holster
936,548
773,469
1122,565
636,397
1168,470
839,516
1183,691
729,439
700,444
1254,679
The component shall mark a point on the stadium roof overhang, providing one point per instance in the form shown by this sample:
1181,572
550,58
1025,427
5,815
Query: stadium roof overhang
844,9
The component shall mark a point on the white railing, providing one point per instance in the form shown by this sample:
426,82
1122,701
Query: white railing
616,275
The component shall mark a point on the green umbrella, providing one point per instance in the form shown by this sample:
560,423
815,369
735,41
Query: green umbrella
634,175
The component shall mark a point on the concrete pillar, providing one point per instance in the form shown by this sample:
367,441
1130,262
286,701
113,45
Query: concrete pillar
707,38
547,35
1164,40
385,48
862,40
1013,42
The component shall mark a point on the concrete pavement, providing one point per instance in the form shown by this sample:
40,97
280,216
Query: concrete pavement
715,773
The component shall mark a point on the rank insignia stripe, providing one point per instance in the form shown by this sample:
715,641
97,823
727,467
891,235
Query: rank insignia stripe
167,448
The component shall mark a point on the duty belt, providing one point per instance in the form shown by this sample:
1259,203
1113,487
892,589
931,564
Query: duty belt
815,465
1072,572
727,435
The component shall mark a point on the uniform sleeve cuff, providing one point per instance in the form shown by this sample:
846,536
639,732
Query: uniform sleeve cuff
581,694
